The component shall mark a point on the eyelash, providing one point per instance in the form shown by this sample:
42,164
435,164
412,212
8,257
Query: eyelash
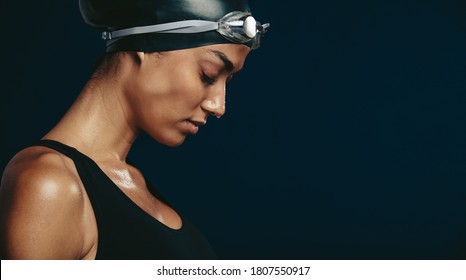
206,79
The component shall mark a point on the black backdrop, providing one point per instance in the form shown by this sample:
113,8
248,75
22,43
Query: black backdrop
344,138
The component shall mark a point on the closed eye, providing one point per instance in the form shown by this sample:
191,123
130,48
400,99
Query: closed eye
207,79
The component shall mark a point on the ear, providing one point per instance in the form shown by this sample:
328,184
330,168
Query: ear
140,56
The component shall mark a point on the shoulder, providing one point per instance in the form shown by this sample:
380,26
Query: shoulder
41,202
41,171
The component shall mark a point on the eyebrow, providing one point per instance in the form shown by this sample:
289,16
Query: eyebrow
229,66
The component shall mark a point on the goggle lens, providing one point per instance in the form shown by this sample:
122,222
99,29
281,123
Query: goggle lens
241,27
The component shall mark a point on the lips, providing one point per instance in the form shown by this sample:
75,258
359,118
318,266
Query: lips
198,122
193,126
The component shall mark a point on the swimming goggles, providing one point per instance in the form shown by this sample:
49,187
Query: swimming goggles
237,27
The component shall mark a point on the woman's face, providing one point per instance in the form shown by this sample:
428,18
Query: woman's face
171,94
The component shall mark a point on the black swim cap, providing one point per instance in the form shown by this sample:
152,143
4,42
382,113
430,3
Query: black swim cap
134,25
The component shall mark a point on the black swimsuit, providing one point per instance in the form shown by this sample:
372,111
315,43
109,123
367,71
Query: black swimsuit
125,230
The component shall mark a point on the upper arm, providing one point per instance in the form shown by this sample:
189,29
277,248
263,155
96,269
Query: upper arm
41,211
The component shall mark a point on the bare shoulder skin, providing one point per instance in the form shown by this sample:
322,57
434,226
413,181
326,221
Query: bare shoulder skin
45,214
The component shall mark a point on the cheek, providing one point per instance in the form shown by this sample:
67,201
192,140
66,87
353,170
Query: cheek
161,100
185,89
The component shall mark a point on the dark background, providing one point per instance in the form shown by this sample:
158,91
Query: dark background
344,138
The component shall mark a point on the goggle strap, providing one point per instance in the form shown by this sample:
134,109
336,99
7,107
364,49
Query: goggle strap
186,26
263,27
234,23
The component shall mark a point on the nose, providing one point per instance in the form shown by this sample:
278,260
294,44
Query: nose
214,104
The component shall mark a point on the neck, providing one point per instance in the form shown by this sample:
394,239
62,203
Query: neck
98,123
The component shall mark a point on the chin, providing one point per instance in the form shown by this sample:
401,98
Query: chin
173,145
172,142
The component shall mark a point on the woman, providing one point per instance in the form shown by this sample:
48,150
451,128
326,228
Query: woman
73,195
